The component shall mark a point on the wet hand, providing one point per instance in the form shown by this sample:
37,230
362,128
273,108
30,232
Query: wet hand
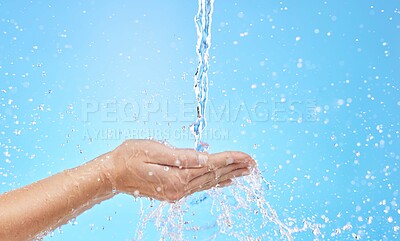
149,168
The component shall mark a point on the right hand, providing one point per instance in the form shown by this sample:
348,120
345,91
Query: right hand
149,168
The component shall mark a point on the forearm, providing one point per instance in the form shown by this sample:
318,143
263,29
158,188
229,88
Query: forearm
43,206
137,167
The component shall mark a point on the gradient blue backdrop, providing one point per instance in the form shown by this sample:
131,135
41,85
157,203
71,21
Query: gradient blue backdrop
309,88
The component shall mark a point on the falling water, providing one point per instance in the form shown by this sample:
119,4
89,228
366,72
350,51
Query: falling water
203,26
239,211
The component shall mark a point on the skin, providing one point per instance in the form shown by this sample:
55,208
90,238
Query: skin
137,167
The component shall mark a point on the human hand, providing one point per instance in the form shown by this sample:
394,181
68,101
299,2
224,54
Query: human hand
149,168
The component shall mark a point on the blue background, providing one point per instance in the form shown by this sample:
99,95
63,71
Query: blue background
309,88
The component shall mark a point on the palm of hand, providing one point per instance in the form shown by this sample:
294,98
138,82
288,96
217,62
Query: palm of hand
149,168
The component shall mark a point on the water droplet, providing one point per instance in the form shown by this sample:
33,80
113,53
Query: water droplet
73,222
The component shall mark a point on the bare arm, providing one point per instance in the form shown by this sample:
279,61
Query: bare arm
43,206
137,167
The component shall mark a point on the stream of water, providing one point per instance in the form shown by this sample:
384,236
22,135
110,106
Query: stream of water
203,21
238,212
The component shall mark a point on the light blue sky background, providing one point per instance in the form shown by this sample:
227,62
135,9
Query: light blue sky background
308,88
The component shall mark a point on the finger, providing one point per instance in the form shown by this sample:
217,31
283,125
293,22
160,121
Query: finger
223,159
158,153
189,158
218,172
210,185
223,184
231,171
229,157
175,157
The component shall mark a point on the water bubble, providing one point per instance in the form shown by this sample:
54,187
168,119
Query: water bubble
356,236
316,231
240,15
73,222
243,34
348,226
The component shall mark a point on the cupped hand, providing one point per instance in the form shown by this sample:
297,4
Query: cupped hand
152,169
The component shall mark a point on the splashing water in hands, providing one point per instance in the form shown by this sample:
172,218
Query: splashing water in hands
151,169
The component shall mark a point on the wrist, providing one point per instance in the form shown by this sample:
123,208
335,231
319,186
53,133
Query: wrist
106,174
115,167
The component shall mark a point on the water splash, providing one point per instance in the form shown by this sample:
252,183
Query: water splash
229,207
203,21
241,211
